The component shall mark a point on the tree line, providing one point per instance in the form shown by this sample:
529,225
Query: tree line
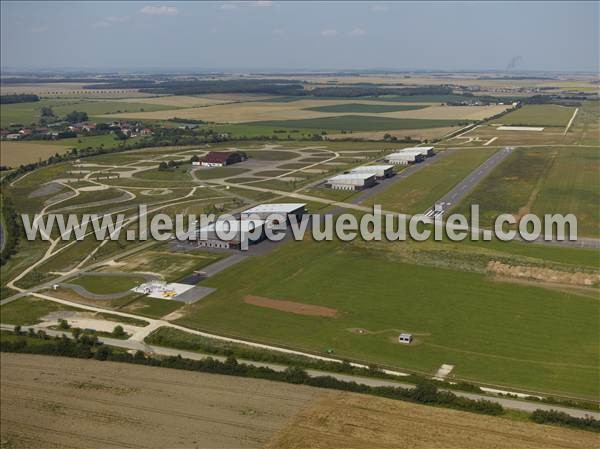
425,392
18,98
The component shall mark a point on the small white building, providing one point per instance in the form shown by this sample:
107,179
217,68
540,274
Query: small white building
405,339
380,171
351,181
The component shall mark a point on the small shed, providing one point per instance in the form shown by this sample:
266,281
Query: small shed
405,338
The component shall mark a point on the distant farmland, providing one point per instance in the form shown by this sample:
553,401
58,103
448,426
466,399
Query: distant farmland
27,113
362,107
358,123
539,115
14,154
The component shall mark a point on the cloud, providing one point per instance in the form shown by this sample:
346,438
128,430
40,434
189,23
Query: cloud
278,32
39,29
109,21
357,32
379,7
329,33
258,4
115,19
162,10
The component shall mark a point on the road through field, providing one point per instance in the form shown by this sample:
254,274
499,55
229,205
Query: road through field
137,345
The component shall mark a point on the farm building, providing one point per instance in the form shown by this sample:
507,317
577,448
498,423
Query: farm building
221,158
380,171
351,181
263,211
251,229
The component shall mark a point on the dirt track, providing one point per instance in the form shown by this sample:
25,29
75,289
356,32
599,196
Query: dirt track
49,402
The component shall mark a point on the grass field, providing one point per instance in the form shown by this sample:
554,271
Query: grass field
586,127
491,331
572,185
542,181
422,189
171,265
358,123
359,108
539,115
153,307
107,284
29,310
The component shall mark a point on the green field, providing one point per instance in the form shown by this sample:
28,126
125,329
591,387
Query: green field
103,140
28,113
172,265
360,108
542,181
358,123
572,185
539,115
107,284
153,307
29,310
422,189
493,332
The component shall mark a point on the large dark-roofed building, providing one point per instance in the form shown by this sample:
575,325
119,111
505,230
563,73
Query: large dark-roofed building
221,158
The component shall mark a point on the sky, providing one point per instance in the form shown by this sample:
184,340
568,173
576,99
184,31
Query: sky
311,36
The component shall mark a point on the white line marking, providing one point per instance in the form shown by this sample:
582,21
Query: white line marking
571,121
490,141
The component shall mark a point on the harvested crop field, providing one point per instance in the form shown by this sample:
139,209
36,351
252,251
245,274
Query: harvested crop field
347,420
290,306
301,109
58,402
14,154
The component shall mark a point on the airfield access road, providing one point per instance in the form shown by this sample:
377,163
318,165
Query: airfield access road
136,345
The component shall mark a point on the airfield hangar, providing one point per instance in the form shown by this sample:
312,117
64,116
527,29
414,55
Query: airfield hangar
351,181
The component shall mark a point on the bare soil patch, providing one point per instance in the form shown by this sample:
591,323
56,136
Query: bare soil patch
290,306
543,274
